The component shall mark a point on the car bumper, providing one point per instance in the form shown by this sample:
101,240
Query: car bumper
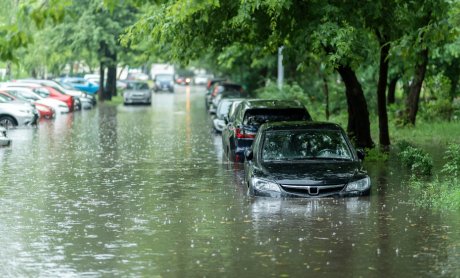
26,119
86,103
128,100
219,125
164,88
285,194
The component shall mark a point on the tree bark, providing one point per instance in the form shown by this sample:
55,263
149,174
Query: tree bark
100,93
384,135
359,127
453,73
392,90
326,96
412,100
111,89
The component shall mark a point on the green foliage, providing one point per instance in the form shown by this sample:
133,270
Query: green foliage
452,157
417,160
438,193
441,192
438,104
376,154
294,92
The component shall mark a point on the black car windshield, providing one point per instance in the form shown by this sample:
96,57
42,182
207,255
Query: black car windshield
164,77
256,117
305,145
137,86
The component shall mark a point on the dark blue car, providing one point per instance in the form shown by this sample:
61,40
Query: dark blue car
242,126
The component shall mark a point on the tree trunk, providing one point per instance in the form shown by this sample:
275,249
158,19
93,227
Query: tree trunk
111,81
100,93
392,90
111,89
359,127
384,135
453,73
326,95
412,100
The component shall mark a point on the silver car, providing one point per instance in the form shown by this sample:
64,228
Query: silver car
13,113
4,140
137,92
222,111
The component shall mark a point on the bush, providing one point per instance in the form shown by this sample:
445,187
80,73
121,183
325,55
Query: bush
437,104
441,193
452,156
418,161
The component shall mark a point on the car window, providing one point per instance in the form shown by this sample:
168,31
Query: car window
137,86
42,92
164,77
28,95
256,117
305,145
224,108
4,98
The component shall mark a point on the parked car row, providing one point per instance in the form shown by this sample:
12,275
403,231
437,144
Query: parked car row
285,153
23,102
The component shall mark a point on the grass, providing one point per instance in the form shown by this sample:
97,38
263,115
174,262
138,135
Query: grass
114,101
442,194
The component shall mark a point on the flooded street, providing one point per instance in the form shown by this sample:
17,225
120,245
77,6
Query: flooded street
143,191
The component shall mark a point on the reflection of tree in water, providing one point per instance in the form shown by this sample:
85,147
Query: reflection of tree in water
108,133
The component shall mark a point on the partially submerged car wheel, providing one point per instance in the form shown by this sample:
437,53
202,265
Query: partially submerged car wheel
7,122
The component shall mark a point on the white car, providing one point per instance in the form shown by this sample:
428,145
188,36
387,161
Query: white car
201,79
15,113
87,101
222,111
29,94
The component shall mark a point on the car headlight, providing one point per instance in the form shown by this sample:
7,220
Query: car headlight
265,185
359,185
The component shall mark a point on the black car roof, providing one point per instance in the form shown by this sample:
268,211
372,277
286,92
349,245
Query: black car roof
299,125
271,104
230,85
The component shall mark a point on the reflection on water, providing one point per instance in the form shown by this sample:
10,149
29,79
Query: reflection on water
144,191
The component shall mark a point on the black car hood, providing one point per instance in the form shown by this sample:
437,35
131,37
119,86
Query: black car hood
312,173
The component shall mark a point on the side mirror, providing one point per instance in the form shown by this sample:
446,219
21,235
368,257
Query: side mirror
248,154
361,154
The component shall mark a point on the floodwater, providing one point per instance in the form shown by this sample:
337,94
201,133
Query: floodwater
143,191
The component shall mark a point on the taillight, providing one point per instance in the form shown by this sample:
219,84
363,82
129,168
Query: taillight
243,135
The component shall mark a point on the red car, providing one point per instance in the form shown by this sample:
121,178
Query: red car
46,92
44,111
53,93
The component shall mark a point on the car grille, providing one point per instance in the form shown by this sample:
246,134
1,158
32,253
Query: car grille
305,190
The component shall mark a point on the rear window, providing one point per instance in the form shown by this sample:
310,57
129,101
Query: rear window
164,77
256,117
137,86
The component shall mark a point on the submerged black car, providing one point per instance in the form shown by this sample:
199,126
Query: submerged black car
243,124
304,159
